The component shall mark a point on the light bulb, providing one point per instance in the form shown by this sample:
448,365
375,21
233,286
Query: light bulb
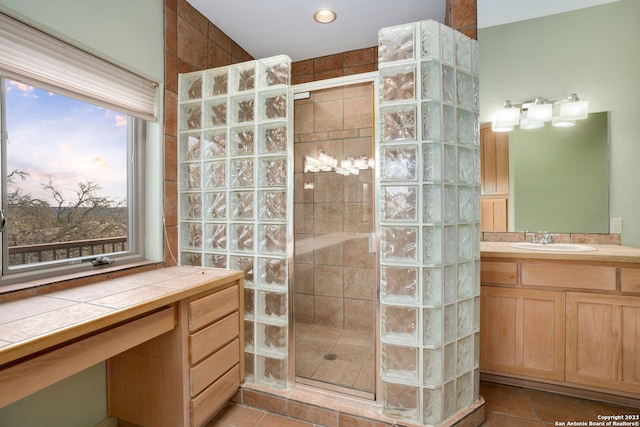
325,16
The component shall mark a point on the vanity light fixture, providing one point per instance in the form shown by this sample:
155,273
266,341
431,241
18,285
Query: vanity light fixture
325,16
534,114
573,109
530,124
538,111
559,122
506,118
501,128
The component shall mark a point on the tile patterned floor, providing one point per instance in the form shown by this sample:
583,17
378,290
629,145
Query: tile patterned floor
512,406
505,407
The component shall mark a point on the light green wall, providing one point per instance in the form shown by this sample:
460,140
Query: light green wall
592,52
128,33
77,401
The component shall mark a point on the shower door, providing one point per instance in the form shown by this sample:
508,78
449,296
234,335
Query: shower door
335,280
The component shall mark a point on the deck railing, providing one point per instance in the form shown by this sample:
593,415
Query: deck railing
29,254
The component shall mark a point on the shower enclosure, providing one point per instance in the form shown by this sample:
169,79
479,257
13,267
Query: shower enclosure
334,280
296,211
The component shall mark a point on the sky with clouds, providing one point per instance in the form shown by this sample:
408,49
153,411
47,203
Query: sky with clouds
69,141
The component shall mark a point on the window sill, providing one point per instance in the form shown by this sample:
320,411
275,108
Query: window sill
43,286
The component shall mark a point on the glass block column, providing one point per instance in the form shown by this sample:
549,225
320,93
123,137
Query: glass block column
233,175
430,221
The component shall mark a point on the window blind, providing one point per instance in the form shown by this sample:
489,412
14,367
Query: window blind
29,54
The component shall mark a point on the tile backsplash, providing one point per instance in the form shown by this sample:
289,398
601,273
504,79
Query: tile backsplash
584,238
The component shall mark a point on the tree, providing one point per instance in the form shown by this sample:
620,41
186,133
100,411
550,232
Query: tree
89,215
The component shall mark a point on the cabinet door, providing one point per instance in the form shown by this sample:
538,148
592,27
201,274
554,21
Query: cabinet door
603,341
493,213
522,332
494,159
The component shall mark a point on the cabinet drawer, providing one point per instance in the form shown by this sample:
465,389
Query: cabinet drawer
212,368
505,273
214,396
211,338
212,307
630,280
569,276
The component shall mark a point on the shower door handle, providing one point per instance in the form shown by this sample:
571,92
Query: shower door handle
373,243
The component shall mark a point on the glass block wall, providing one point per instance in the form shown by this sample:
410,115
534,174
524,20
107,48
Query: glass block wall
233,174
430,221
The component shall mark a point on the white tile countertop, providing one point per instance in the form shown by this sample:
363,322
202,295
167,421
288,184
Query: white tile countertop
34,324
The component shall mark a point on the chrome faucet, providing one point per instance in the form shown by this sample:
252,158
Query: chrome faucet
545,239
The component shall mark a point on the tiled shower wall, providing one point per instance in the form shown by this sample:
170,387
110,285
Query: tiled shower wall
192,43
335,281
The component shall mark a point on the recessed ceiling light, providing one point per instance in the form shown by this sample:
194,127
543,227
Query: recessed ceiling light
324,16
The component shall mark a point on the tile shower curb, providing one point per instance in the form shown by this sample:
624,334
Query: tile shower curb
345,410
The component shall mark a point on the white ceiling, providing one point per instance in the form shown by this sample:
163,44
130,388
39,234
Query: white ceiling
272,27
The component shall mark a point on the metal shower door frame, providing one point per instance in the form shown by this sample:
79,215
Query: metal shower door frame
372,77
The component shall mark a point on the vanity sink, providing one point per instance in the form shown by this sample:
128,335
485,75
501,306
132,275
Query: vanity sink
553,247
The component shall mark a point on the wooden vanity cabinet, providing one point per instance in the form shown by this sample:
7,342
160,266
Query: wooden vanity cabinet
562,324
522,332
183,377
603,341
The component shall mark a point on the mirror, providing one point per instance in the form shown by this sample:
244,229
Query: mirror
559,177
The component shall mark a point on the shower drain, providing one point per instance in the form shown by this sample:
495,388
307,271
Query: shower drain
331,356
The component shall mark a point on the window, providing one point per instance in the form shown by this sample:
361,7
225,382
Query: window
66,177
71,159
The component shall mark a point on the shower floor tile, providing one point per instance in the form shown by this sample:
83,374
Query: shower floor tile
354,351
339,372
